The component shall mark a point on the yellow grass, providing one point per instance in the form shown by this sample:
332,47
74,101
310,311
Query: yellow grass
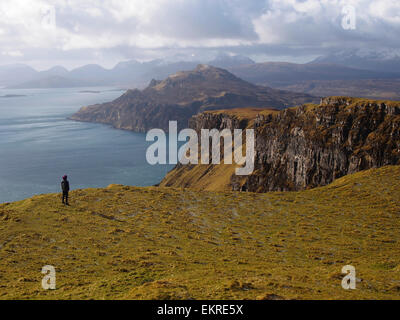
245,113
161,243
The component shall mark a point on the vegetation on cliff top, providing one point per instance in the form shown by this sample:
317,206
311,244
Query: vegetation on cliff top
245,113
159,243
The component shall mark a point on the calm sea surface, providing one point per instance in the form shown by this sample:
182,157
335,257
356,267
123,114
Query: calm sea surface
38,145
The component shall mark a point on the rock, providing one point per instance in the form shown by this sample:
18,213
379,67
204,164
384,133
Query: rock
307,146
270,296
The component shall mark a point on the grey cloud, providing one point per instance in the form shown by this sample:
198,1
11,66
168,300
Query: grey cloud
94,31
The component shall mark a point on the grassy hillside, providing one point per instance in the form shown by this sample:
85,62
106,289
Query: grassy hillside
203,177
159,243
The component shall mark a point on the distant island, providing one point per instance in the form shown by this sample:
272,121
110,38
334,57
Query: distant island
13,96
184,94
89,91
100,91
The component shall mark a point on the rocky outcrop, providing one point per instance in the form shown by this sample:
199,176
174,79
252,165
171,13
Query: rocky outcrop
183,95
312,145
217,120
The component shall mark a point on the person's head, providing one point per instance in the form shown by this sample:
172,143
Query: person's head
65,177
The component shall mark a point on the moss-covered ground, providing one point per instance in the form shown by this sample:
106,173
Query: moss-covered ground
159,243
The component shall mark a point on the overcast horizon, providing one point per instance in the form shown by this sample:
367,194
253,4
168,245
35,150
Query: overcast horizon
73,33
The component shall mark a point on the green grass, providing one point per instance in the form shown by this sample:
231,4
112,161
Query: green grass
160,243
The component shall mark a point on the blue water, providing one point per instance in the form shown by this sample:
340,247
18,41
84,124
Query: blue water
38,145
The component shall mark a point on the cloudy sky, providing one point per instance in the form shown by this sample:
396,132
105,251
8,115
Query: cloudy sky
44,33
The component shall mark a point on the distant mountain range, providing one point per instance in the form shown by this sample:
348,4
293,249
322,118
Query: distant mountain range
346,73
184,94
376,61
284,73
381,89
129,74
322,79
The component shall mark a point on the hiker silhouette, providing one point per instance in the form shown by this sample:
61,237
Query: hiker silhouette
65,190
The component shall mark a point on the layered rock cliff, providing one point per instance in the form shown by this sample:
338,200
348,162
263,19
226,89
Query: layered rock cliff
307,146
183,95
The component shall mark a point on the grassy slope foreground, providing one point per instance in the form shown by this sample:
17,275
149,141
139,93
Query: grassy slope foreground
160,243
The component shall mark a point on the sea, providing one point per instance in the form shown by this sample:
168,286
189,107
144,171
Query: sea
38,144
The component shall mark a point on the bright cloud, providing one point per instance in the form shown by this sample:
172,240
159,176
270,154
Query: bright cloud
143,25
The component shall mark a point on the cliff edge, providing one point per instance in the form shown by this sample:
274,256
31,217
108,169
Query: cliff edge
302,147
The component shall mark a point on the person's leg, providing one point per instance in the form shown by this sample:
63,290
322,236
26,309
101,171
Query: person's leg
66,198
63,197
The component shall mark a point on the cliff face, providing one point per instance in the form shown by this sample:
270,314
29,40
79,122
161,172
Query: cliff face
312,145
214,177
183,95
137,112
226,119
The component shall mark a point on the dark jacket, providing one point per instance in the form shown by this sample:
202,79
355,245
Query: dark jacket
65,186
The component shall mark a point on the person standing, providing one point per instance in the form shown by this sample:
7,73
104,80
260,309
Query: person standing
65,190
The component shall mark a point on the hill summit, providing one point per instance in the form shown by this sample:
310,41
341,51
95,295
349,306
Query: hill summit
183,95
